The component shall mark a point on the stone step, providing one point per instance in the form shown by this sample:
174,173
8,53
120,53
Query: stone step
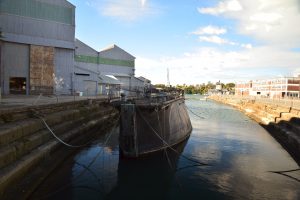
15,150
16,170
20,113
286,116
13,131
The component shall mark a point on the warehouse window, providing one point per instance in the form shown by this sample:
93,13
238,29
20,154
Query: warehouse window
17,85
81,74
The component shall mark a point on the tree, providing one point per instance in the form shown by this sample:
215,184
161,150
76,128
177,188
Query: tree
163,86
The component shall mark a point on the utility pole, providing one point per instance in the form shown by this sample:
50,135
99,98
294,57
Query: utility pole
168,78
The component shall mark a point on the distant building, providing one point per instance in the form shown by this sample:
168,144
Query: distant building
97,72
37,46
218,86
140,84
273,88
219,90
243,88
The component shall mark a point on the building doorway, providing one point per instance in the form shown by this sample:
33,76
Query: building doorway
17,85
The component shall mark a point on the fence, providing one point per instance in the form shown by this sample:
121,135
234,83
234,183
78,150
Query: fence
29,100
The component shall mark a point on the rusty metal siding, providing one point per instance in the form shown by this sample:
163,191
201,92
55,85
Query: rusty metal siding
64,68
16,62
41,70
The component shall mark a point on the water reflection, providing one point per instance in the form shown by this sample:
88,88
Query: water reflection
147,178
240,155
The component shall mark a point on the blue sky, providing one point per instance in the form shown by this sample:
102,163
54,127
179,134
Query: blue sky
198,40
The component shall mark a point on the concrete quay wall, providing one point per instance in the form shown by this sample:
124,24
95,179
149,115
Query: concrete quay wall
26,143
282,122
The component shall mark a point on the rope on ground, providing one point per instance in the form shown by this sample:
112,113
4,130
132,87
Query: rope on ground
192,160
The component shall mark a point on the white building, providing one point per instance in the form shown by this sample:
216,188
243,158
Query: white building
273,88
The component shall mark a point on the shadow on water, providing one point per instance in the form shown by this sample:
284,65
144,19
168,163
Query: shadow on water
287,134
148,177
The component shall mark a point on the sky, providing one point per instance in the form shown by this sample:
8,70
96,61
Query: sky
197,40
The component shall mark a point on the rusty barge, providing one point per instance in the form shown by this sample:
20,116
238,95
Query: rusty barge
152,124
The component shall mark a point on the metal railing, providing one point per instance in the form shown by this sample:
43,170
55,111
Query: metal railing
34,100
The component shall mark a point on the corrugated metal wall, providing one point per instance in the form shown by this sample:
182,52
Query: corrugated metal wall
38,23
82,79
114,70
116,52
64,70
15,58
39,10
112,61
41,23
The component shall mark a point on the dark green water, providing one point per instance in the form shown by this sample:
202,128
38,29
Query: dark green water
238,152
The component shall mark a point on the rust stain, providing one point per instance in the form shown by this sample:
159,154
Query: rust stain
41,69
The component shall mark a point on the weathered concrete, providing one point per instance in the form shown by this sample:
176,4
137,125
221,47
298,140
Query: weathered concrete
25,142
282,122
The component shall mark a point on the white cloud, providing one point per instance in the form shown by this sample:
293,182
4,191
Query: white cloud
275,22
215,39
247,46
143,2
209,30
222,7
269,18
124,10
296,72
211,64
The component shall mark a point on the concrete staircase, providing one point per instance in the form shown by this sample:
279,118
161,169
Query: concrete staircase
25,141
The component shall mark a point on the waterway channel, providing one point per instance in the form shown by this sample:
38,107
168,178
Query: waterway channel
235,159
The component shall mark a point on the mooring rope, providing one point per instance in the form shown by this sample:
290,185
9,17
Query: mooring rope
60,140
85,168
286,171
192,160
194,113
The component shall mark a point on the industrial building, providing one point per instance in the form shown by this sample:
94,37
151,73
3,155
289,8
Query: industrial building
273,88
37,46
40,55
108,71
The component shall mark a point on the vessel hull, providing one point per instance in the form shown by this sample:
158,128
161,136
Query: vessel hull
149,128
